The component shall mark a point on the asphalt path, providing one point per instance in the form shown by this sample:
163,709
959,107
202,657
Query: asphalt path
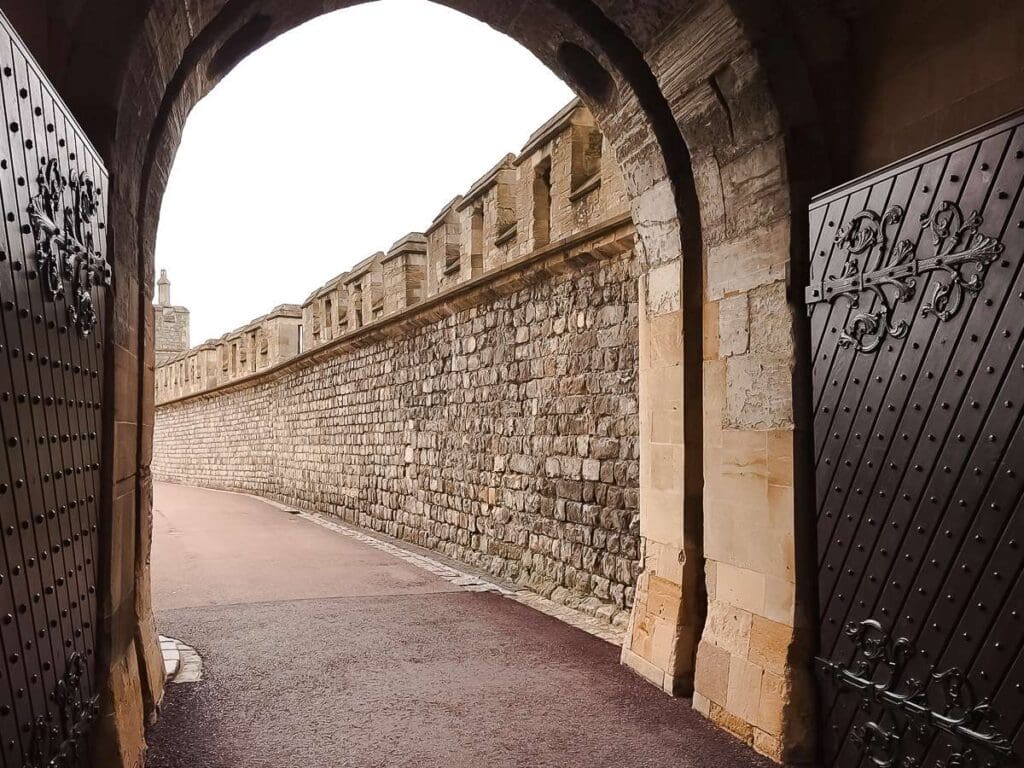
320,651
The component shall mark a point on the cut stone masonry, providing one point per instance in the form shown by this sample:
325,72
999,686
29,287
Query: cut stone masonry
761,104
494,223
470,390
170,324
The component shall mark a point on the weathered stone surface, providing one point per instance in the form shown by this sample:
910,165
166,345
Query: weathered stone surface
770,644
712,676
744,263
744,689
759,392
733,325
462,436
771,321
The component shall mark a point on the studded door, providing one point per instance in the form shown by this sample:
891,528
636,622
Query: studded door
53,281
916,308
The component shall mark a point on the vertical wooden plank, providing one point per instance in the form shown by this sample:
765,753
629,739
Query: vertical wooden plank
919,432
51,416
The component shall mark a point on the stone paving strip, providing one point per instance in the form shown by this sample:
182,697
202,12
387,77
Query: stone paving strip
172,656
597,626
182,664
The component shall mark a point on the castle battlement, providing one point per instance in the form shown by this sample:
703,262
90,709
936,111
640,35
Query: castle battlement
563,182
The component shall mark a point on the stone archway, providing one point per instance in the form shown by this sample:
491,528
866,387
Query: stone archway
689,95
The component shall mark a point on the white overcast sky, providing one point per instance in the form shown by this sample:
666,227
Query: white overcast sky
330,143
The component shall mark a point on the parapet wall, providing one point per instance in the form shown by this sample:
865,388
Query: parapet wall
496,422
257,346
564,182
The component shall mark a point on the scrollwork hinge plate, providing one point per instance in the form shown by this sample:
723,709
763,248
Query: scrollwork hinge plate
943,702
888,272
65,249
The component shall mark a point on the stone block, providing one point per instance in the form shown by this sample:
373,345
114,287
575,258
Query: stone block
642,667
759,392
770,644
702,704
768,745
604,448
771,320
711,678
734,329
779,597
728,627
663,284
711,331
664,599
740,587
744,695
734,724
754,187
780,457
664,339
772,704
745,262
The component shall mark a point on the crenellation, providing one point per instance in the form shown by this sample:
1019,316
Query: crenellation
364,286
404,269
260,344
486,212
564,182
444,243
496,423
325,313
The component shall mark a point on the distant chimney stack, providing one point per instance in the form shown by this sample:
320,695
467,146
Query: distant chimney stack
163,289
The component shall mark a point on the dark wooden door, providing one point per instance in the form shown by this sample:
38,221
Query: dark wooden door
53,285
916,306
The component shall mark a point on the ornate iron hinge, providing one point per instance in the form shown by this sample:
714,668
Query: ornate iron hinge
961,253
61,742
65,250
915,709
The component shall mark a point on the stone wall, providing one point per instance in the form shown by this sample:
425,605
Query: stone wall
499,431
776,100
258,345
493,224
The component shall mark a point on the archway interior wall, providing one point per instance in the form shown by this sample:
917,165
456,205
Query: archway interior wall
539,27
142,82
750,677
755,164
960,67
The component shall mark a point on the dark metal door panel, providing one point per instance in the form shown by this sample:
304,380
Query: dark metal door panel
53,285
916,305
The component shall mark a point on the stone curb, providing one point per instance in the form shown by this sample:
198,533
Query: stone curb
182,664
171,654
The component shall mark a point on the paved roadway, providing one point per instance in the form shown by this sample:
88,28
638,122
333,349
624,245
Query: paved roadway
320,651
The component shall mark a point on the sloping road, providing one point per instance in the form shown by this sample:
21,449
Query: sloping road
320,651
